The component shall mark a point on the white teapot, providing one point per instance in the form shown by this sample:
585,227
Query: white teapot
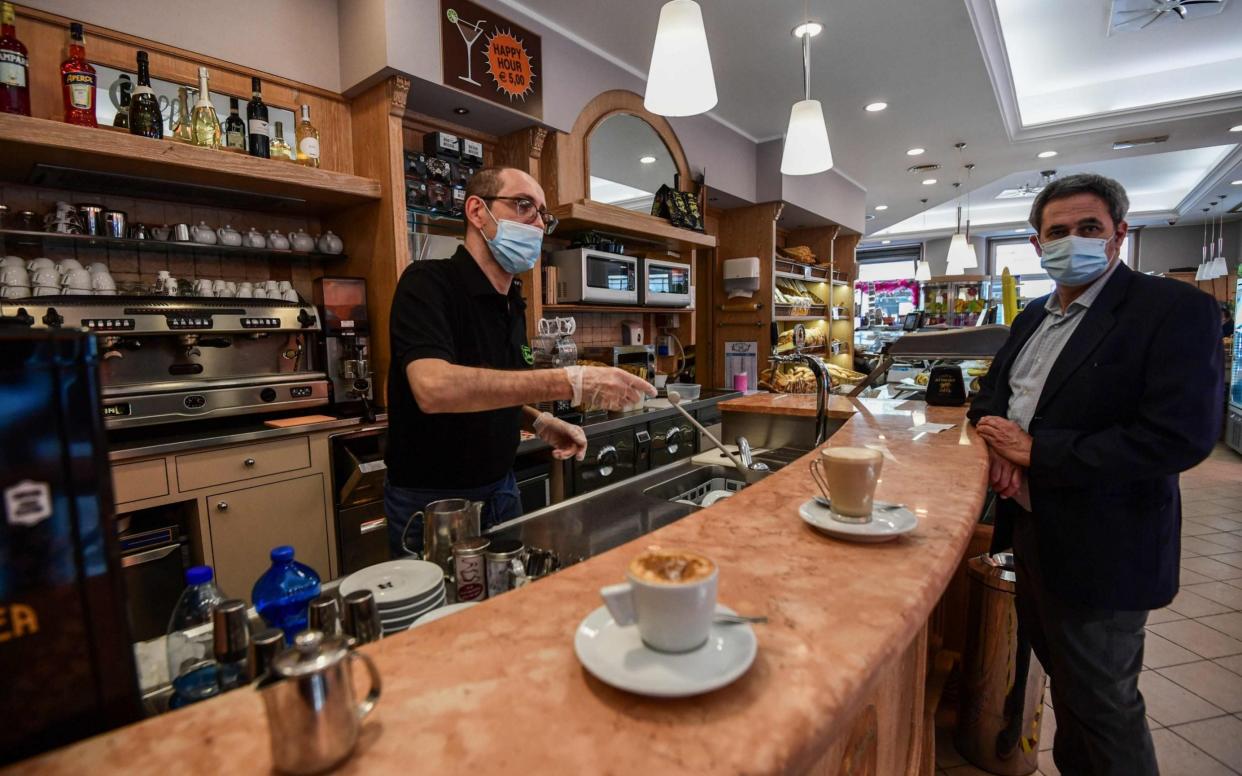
229,236
301,241
330,243
254,239
277,241
203,234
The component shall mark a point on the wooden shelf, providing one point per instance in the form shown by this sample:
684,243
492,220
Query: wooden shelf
103,160
799,318
614,308
597,216
53,238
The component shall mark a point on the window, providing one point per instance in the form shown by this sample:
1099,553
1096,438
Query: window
880,271
900,269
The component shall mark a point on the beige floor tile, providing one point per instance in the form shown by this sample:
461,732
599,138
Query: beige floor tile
1192,528
1228,521
1211,682
1198,638
1220,592
1190,603
1171,704
1203,544
1221,738
1233,663
1178,757
1163,615
1212,568
1225,539
1201,509
1188,577
1159,652
1189,554
1232,558
946,752
1047,766
1193,494
1229,623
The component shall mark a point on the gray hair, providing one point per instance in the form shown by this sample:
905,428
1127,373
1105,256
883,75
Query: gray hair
1106,189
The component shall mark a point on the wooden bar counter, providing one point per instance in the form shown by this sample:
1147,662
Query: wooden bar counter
796,404
837,687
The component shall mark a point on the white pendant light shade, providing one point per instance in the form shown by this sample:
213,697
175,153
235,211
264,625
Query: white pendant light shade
961,254
680,81
1219,268
923,273
806,142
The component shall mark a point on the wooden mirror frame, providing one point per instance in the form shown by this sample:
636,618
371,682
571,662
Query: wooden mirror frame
565,163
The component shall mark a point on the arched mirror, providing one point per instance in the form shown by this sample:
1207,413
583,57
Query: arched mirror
628,162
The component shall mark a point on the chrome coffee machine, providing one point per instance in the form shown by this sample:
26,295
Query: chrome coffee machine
342,304
172,359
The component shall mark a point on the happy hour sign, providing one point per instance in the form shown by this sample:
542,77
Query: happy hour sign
491,57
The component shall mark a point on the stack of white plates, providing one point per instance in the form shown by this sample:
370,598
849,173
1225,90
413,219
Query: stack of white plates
404,590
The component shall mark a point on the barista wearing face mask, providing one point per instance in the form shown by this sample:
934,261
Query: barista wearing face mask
1104,392
460,382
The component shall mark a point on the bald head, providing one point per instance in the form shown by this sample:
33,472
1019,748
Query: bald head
491,188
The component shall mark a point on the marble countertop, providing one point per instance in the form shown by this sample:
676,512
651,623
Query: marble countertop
801,404
498,685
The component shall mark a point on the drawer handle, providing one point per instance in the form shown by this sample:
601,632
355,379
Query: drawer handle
222,506
249,462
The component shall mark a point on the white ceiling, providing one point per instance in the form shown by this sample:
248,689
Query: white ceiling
924,59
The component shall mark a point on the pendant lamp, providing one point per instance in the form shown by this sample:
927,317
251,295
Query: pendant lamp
961,254
1201,270
680,81
1220,267
806,141
923,272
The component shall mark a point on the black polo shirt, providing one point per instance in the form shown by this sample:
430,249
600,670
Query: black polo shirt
449,310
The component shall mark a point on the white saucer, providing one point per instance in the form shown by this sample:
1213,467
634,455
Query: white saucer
884,525
617,656
442,612
395,583
407,616
406,608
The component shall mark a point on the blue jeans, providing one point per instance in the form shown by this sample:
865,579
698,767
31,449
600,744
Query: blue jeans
501,502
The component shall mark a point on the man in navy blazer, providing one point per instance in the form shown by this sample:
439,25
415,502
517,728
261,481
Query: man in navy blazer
1105,390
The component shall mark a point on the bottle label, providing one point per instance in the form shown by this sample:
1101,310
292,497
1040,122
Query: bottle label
12,69
309,146
258,127
81,90
235,139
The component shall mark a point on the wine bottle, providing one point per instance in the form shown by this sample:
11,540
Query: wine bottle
234,129
256,118
307,140
14,66
78,81
124,87
144,109
182,131
279,148
205,122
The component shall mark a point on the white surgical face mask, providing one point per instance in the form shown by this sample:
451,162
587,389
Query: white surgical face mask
1074,261
516,246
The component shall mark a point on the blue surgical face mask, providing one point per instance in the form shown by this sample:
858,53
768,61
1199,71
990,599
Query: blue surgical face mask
516,246
1074,261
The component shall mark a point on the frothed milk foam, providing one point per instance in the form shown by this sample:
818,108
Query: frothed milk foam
852,473
670,567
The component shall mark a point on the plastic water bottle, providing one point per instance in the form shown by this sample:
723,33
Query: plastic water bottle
191,659
284,592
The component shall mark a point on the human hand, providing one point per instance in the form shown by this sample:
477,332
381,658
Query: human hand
567,440
1007,439
606,387
1004,476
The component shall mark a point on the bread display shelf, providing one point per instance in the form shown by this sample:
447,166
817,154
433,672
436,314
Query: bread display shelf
599,217
612,308
43,152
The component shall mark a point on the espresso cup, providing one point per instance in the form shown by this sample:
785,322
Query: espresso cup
847,476
670,594
41,263
77,279
45,276
68,265
15,292
14,276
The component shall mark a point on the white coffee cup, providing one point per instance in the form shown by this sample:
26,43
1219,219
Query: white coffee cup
45,276
16,292
245,292
289,296
68,265
77,279
40,263
283,286
672,615
13,261
14,276
272,285
97,266
102,281
848,476
47,291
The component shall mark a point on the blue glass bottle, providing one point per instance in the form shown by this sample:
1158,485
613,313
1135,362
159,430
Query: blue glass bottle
284,592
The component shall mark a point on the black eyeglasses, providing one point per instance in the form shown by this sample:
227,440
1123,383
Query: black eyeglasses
527,210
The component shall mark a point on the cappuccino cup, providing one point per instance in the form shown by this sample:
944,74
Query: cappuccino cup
847,476
670,594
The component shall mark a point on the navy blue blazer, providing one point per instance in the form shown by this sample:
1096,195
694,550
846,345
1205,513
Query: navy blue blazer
1134,398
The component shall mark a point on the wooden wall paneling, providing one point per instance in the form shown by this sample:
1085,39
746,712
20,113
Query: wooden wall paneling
45,35
745,231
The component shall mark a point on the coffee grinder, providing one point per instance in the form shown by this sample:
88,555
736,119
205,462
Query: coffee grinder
342,304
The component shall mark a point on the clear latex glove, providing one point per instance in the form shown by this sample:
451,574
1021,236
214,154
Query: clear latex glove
606,387
567,440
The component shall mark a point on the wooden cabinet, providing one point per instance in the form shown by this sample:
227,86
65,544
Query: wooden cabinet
246,523
235,464
139,480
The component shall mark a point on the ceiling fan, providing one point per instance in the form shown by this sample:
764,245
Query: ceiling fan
1154,10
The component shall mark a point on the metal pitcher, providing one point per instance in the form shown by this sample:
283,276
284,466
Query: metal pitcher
311,713
445,522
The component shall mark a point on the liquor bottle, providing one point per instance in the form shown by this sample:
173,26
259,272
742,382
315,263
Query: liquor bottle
279,148
307,140
144,110
14,85
78,79
205,122
182,130
234,129
256,118
124,87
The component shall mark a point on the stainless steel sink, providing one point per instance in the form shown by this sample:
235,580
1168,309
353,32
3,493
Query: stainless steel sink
691,487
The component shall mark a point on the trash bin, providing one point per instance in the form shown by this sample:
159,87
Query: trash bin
1002,684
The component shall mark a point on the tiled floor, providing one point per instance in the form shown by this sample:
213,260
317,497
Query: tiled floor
1192,665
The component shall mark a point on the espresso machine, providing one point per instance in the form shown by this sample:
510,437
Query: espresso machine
345,349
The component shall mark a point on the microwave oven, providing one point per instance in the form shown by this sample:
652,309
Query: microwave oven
589,275
665,283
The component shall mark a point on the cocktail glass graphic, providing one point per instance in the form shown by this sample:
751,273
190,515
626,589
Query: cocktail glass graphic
470,32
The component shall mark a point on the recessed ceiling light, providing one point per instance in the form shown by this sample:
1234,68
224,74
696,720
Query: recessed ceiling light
461,111
885,242
881,207
647,159
875,107
1046,154
929,181
810,28
915,151
1236,183
1236,128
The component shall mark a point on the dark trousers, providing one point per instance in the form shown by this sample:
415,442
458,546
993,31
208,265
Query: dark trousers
501,502
1092,658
